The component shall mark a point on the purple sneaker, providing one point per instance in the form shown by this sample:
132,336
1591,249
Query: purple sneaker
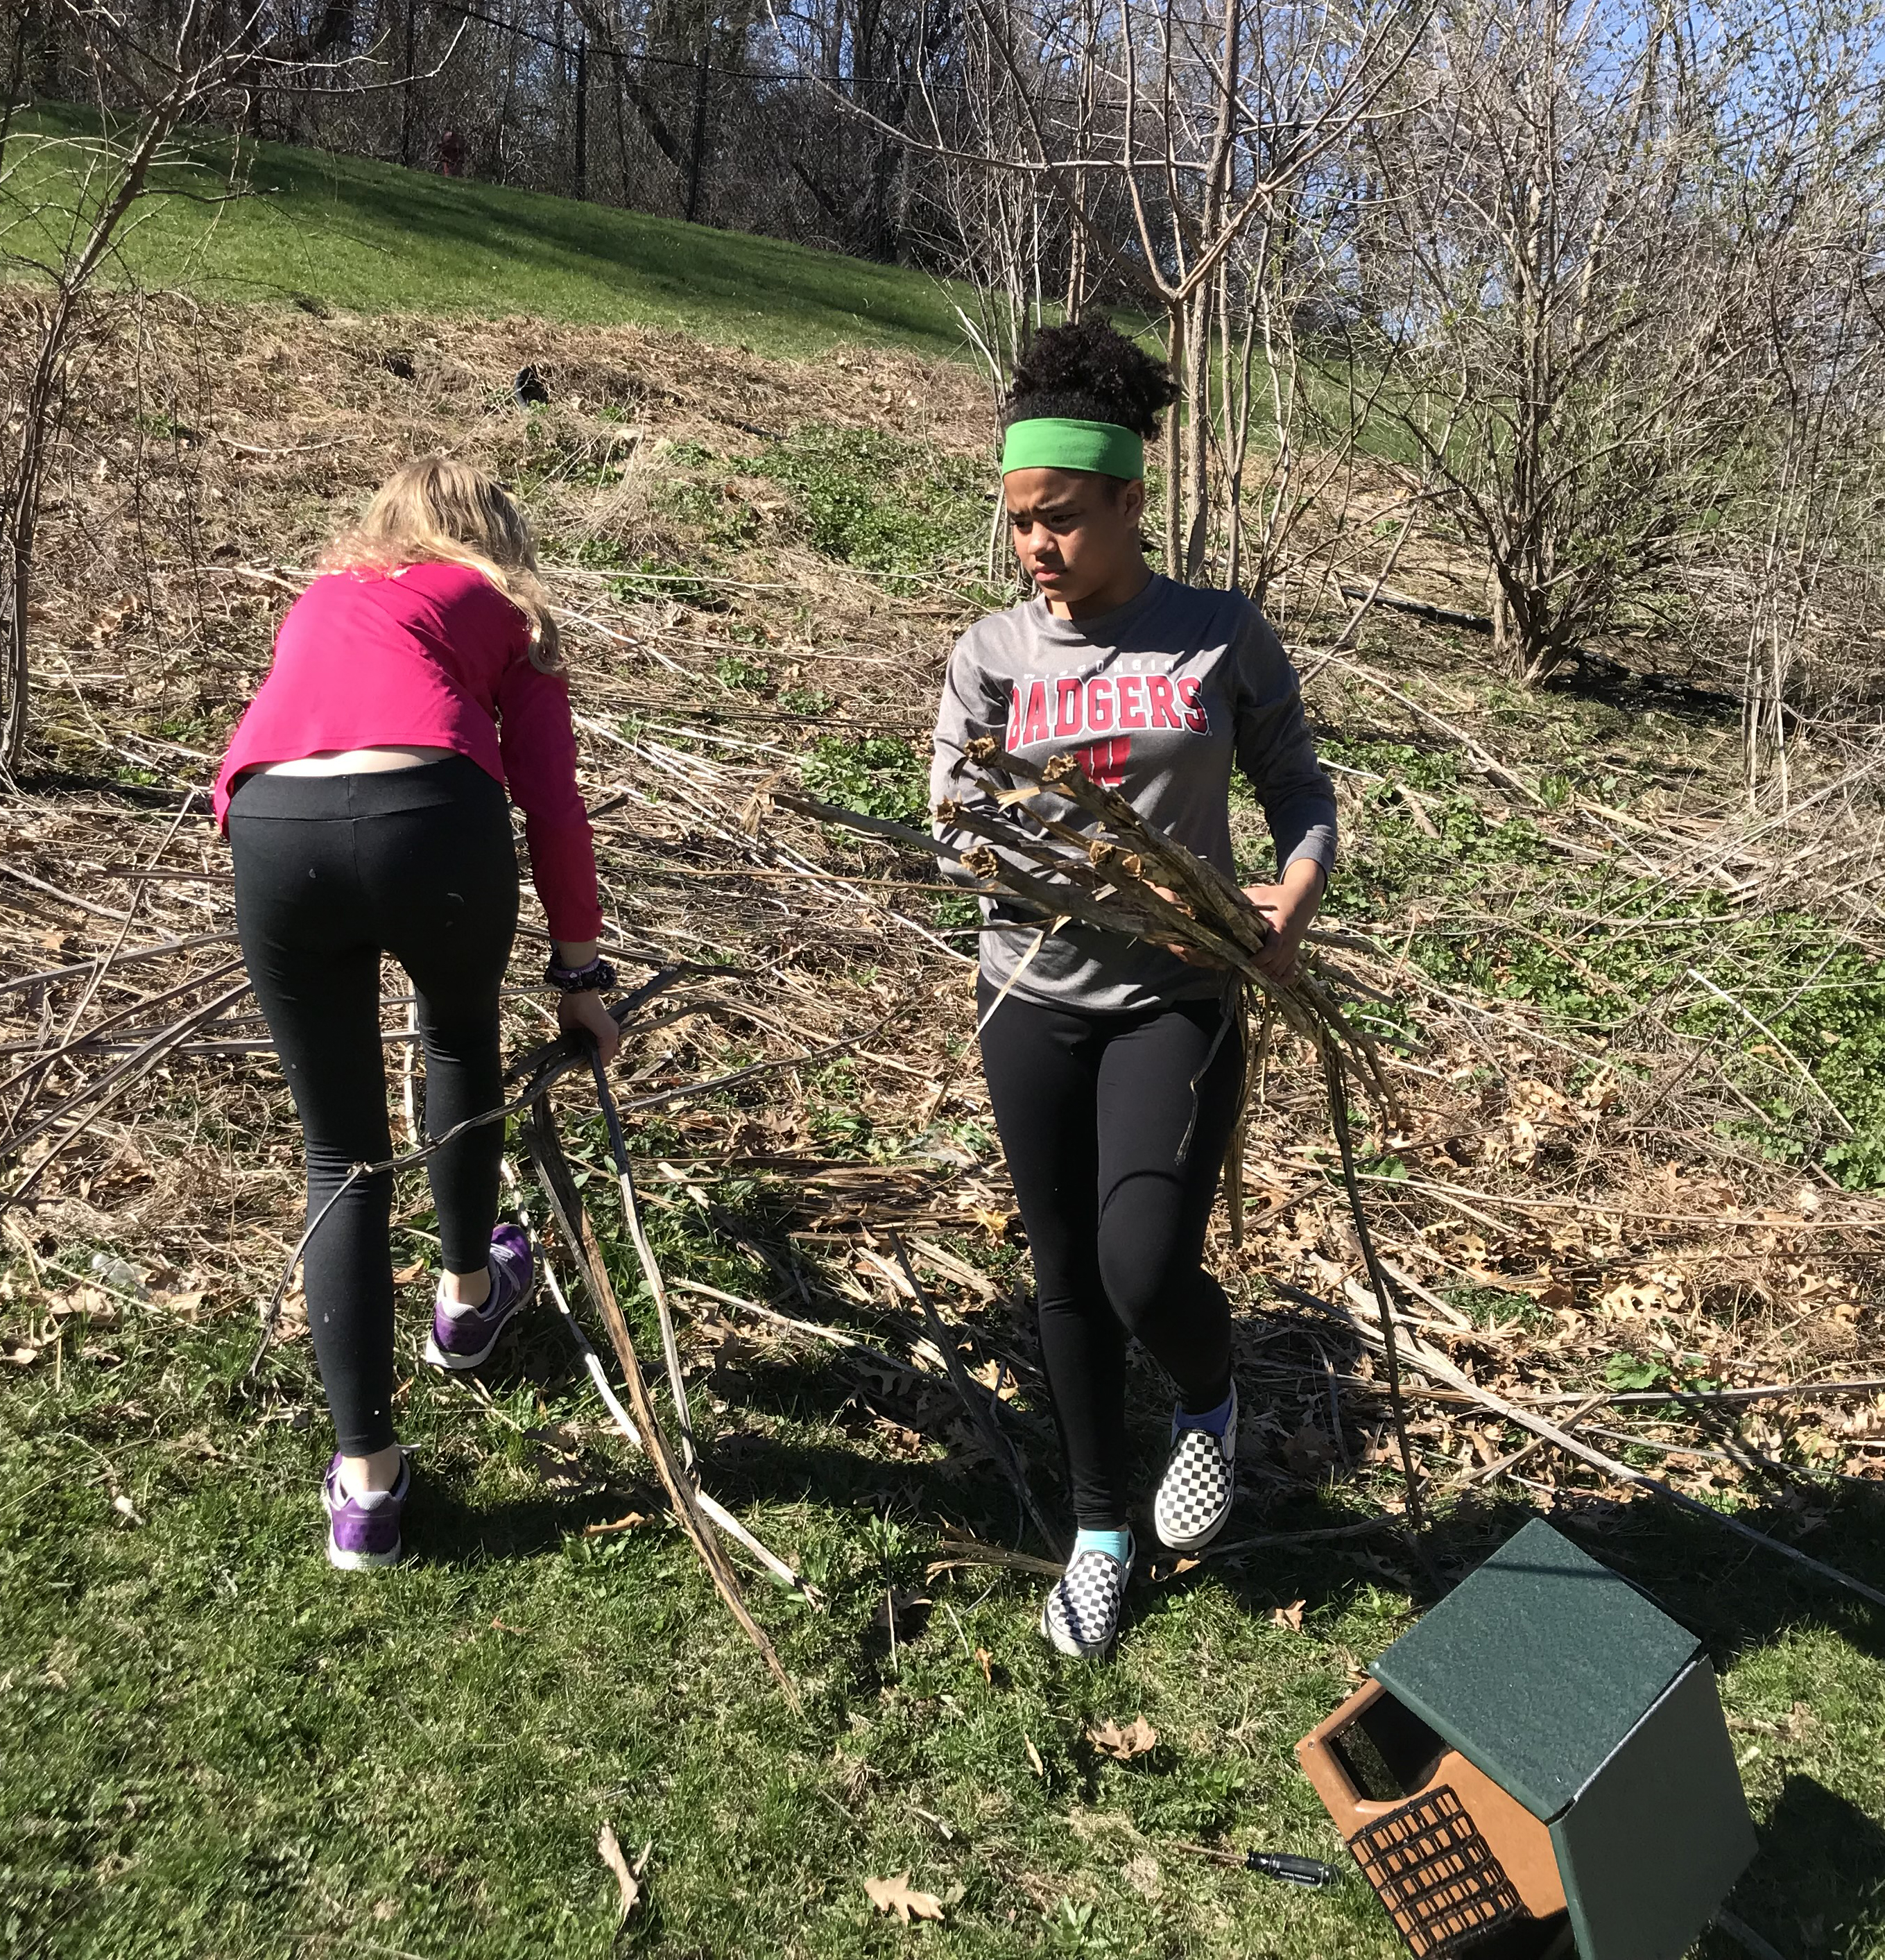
364,1532
463,1336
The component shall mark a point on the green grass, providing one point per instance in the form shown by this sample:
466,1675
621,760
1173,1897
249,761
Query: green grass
373,238
215,1746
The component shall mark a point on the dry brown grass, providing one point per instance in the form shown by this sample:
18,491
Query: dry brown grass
1592,1186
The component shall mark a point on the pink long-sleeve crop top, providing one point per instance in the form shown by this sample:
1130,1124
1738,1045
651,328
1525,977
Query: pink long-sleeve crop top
431,656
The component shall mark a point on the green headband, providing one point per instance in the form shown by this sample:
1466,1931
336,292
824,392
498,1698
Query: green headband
1057,442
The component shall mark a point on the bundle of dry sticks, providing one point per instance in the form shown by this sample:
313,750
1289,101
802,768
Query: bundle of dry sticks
1117,872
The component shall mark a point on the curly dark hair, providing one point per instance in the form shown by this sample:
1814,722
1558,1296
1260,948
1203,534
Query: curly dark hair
1089,371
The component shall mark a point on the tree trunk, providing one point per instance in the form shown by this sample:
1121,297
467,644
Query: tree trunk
1197,404
696,146
41,409
1175,445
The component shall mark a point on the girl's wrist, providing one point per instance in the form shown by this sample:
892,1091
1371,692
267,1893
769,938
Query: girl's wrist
592,977
1306,878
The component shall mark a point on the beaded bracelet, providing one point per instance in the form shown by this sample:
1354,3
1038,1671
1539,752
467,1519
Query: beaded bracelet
590,979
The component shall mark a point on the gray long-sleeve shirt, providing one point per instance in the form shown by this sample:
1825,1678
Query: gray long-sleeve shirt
1156,698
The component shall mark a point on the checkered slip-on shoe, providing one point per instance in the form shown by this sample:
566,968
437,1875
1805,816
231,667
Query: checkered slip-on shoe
1200,1479
1081,1617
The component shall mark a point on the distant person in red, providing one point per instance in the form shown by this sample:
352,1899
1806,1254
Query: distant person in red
451,155
364,793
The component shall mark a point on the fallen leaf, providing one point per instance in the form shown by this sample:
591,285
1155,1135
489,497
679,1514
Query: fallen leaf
1034,1756
627,1521
504,1625
1160,1571
23,1357
985,1661
905,1614
1644,1292
407,1274
895,1894
1310,1451
1289,1617
1139,1738
627,1877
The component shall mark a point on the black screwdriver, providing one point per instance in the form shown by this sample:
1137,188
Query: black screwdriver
1292,1870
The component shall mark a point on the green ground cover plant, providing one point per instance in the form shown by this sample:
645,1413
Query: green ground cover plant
883,505
1594,956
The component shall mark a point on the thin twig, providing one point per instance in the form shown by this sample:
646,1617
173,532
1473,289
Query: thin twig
650,1269
769,1560
1437,1365
553,1171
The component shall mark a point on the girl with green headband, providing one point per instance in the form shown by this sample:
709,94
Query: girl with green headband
1114,1067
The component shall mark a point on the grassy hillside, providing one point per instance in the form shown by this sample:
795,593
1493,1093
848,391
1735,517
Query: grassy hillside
374,238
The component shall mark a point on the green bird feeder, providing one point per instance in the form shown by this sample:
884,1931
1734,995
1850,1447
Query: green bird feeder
1541,1764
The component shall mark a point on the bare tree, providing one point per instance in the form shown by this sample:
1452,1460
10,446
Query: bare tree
1578,228
1127,157
67,201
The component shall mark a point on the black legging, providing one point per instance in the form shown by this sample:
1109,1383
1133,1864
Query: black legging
1094,1112
331,871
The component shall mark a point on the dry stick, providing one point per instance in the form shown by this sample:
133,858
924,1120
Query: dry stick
1383,1299
1256,1055
816,1329
1780,1048
957,1551
624,1421
64,897
1488,763
718,1082
124,1075
553,1172
650,1271
994,1438
1221,921
136,954
1768,1392
89,1043
1745,1937
1484,1473
1431,1362
92,985
406,1099
1127,900
1743,1458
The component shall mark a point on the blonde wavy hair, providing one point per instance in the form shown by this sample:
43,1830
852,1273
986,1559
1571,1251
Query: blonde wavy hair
435,510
